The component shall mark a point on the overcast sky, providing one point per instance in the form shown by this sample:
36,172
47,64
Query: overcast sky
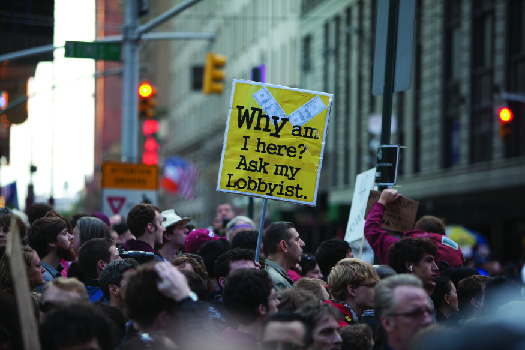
65,126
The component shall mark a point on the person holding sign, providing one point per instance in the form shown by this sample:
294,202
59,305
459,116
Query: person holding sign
426,227
283,248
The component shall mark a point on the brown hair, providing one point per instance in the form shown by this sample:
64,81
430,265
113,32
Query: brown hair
70,285
198,268
312,285
356,337
291,299
431,224
349,271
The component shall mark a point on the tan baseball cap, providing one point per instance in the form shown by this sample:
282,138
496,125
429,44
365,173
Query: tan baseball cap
169,217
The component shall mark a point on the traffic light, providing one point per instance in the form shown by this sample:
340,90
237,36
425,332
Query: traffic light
150,153
147,101
213,74
505,123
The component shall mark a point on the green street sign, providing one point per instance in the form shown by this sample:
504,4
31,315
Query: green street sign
97,51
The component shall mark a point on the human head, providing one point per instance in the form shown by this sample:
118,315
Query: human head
291,299
197,238
95,255
225,211
281,238
89,227
402,308
330,252
176,230
77,324
445,296
231,261
325,328
384,271
62,290
283,329
123,233
111,277
499,290
102,217
470,294
5,224
196,284
316,286
144,301
50,234
37,211
191,264
245,240
357,337
430,224
309,267
146,219
353,281
249,295
415,256
210,251
34,269
73,220
239,224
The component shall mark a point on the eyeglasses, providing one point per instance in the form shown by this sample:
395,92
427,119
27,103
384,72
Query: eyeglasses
46,306
276,345
416,314
369,284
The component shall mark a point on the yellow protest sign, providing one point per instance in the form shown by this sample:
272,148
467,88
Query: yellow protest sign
274,142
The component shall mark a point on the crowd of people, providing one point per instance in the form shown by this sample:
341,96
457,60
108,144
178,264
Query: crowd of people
156,281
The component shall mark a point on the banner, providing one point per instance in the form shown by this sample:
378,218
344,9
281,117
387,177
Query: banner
364,182
274,142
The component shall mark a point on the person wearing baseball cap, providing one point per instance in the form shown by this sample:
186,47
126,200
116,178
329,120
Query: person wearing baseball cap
175,235
196,239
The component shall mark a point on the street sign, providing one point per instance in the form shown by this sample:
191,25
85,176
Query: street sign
94,50
404,42
124,185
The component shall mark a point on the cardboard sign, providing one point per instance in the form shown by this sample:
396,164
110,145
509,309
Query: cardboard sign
399,216
364,182
274,142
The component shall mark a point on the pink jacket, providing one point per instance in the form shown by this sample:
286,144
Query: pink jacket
381,241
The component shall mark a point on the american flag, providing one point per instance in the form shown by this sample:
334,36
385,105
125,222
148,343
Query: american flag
180,176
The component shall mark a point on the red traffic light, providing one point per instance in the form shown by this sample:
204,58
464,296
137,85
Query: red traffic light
145,90
505,115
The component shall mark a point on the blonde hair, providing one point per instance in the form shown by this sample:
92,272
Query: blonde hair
313,285
349,271
70,285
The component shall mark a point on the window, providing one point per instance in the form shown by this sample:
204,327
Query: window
451,91
307,58
481,113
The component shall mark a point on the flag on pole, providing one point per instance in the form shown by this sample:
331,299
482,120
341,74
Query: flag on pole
180,176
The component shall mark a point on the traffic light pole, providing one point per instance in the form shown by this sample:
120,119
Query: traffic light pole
130,83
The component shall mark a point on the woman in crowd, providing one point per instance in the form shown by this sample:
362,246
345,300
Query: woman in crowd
34,269
445,298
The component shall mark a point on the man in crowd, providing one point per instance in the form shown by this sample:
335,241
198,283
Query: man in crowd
123,233
402,308
352,283
145,223
175,234
249,297
223,216
159,299
415,256
324,325
77,326
50,238
286,330
428,227
329,253
111,283
62,290
283,248
93,257
470,296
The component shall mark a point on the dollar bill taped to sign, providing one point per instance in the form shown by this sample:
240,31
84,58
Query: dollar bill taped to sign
274,142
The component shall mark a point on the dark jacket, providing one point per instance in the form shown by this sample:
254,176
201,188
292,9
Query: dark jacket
381,241
141,246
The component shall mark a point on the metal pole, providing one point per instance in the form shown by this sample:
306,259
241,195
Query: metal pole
390,66
250,207
130,82
165,16
261,226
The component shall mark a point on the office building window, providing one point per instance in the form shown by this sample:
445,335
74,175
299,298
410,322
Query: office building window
481,112
451,91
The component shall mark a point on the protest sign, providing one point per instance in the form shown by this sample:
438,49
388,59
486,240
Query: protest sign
355,228
399,216
274,142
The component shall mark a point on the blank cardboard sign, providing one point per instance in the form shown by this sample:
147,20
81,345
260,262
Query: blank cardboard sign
399,216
